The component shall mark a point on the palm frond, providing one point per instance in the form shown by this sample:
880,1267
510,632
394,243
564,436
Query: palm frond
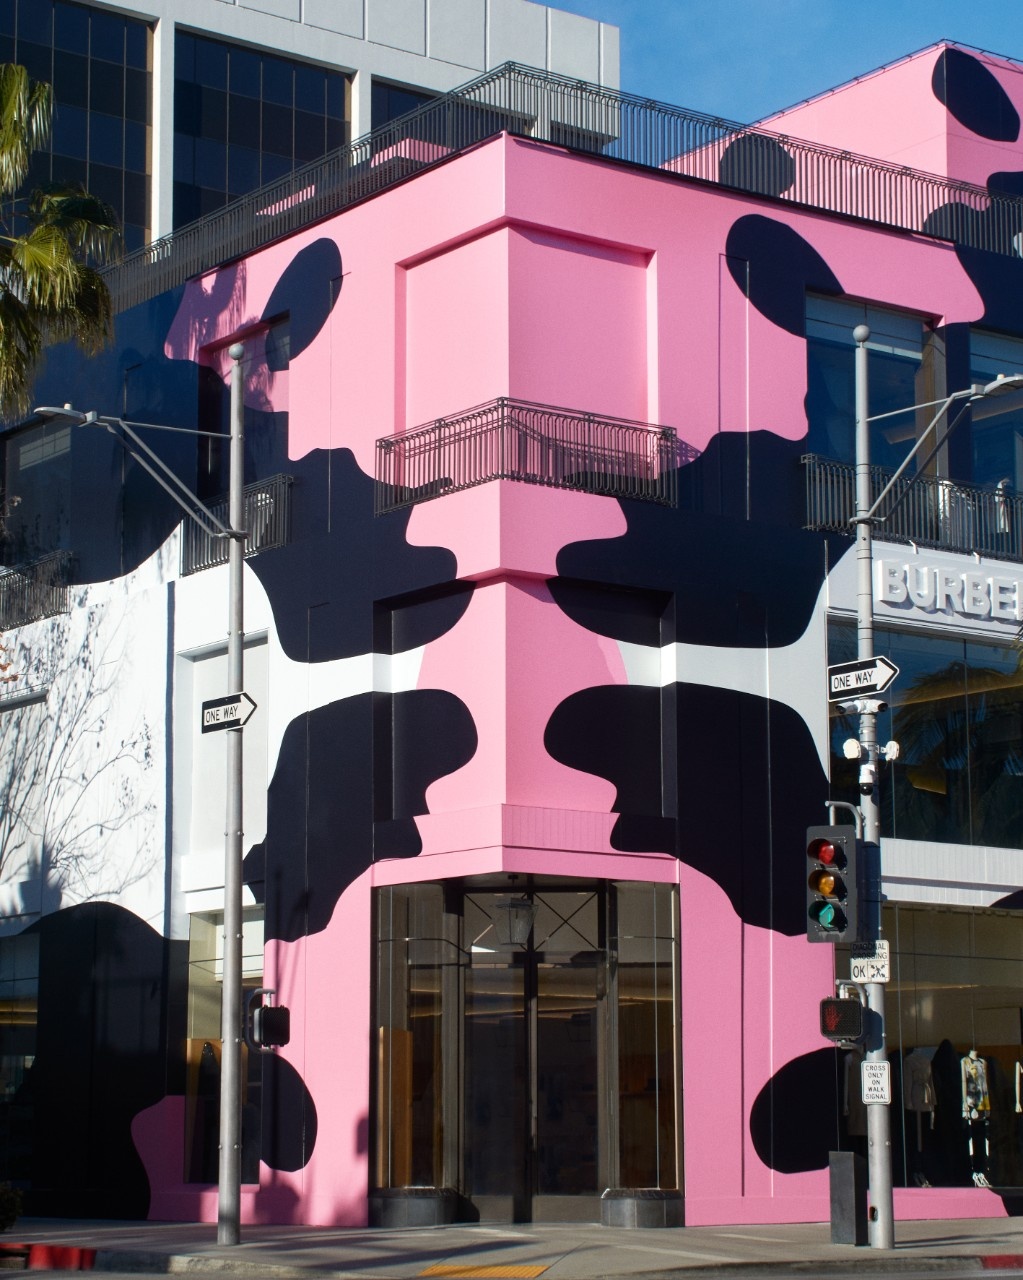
26,109
50,291
21,344
89,224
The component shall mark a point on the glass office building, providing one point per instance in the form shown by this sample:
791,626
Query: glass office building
100,66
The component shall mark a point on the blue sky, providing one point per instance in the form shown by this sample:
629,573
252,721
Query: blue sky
743,59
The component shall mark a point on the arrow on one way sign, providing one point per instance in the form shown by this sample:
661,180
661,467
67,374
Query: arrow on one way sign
862,678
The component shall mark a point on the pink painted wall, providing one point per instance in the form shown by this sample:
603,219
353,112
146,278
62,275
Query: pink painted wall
453,337
892,114
518,270
588,303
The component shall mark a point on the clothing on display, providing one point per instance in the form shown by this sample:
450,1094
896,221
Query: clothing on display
976,1111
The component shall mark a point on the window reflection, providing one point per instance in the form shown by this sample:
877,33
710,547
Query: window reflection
956,712
243,118
551,1047
997,441
99,64
19,999
957,974
897,372
203,1047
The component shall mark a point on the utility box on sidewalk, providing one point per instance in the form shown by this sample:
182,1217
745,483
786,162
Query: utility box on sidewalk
848,1197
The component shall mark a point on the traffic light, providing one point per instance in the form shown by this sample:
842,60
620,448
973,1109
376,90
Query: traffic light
831,888
841,1019
271,1026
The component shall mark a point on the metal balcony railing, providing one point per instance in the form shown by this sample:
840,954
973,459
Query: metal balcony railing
930,513
29,592
594,120
267,522
509,439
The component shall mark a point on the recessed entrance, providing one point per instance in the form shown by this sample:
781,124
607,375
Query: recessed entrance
526,1046
534,1078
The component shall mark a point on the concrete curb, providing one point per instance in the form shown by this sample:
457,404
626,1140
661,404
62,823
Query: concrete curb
871,1263
205,1263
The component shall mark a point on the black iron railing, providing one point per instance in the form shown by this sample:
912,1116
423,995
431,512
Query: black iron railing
929,512
267,522
588,118
37,590
509,439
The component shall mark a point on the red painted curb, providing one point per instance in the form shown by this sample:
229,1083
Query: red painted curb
59,1257
1001,1261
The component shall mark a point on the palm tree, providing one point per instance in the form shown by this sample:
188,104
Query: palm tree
52,240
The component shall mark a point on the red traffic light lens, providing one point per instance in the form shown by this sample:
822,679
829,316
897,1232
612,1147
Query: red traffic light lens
822,851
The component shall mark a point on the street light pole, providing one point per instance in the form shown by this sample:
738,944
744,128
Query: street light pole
1007,394
881,1222
232,1014
229,1201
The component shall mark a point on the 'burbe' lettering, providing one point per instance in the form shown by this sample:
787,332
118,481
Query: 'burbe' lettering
939,589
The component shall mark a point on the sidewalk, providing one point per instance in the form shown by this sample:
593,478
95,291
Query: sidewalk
469,1251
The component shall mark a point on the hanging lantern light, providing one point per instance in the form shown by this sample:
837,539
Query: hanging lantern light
513,921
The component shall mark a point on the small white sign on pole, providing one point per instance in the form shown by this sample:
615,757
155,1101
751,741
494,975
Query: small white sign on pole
871,961
876,1079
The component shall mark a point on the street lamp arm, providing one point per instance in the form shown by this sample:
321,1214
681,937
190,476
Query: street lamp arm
971,396
925,435
151,462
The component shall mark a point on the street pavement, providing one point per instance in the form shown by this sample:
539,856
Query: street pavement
527,1252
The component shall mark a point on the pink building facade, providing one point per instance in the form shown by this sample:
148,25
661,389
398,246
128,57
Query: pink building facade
540,674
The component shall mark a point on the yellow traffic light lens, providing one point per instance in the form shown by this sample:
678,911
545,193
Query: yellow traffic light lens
826,883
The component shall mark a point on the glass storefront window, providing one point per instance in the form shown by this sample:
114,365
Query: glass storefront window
19,998
956,712
203,1045
526,1041
954,1018
897,370
646,1035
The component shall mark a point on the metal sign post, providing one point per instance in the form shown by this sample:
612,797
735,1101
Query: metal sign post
881,1221
230,1169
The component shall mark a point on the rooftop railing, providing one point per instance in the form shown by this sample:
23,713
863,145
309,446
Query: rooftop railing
33,591
267,522
587,118
930,512
514,440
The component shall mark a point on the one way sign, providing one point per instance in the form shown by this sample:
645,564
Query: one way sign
231,712
860,679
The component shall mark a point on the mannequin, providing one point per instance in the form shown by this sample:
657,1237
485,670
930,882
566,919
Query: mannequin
918,1096
976,1110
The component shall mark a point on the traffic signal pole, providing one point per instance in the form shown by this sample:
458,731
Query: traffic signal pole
881,1222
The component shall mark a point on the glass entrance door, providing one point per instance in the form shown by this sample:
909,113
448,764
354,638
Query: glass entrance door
526,1045
534,1065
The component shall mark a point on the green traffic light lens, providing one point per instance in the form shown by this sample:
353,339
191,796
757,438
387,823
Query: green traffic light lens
828,916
